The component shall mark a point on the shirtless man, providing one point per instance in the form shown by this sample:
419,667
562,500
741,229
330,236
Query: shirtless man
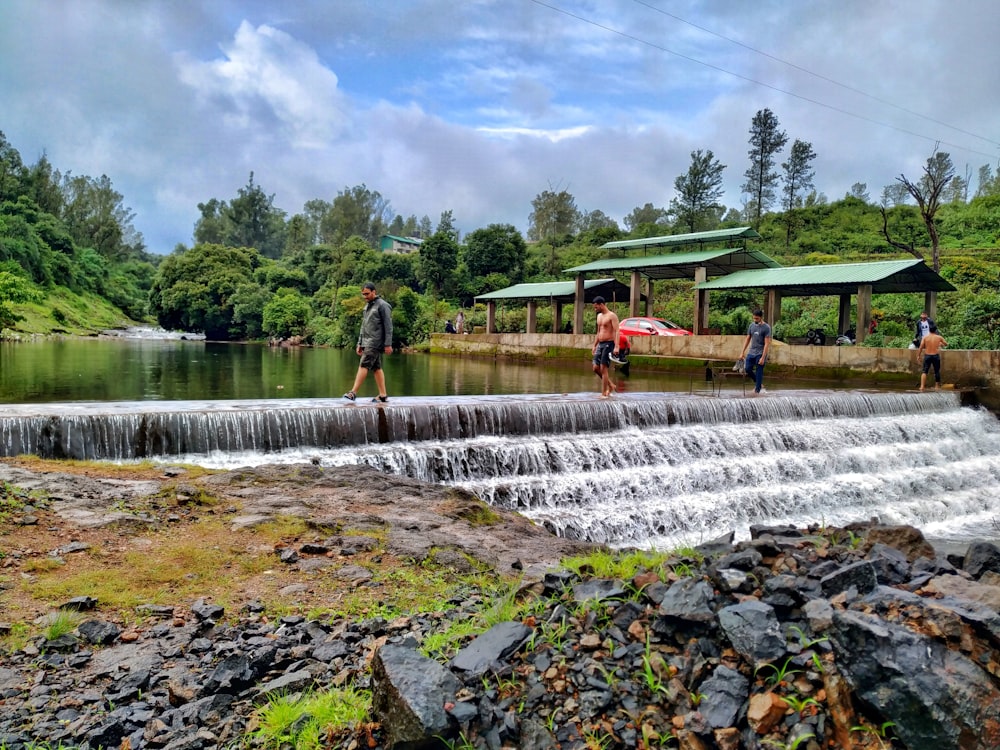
931,345
605,344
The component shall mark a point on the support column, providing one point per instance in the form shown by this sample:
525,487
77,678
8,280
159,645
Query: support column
578,305
930,304
532,316
700,302
491,316
772,306
844,318
864,311
557,317
649,298
635,292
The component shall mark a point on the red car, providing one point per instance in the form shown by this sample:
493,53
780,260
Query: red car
650,327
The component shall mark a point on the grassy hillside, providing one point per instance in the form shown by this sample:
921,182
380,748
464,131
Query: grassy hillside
66,312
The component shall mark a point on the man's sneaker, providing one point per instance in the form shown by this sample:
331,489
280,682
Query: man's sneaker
350,395
615,359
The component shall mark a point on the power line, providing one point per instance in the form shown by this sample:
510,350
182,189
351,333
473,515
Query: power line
817,75
759,83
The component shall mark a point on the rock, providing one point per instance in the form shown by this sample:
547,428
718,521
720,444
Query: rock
936,697
409,694
765,711
690,599
981,557
496,643
724,694
907,539
754,631
859,576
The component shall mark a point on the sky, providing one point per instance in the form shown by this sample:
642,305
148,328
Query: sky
479,106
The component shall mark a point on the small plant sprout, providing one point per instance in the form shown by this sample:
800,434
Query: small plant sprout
882,734
804,640
799,703
779,675
791,744
696,698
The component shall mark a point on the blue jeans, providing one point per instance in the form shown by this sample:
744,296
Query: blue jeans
755,370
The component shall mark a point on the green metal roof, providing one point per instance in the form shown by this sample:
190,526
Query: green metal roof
407,240
564,291
683,265
670,240
885,276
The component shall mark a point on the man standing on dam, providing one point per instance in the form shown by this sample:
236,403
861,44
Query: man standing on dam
605,344
758,341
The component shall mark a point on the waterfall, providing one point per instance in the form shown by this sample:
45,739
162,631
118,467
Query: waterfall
118,431
642,469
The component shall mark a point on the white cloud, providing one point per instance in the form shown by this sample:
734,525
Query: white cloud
268,74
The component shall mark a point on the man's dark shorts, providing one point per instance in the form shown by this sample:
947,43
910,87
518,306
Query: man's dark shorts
602,354
371,359
933,360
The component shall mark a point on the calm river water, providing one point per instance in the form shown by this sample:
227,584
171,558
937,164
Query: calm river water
141,369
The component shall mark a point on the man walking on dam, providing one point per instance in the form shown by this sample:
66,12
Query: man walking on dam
374,340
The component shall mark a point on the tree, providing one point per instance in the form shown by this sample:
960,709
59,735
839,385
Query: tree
11,170
253,221
698,191
552,214
593,220
14,288
766,140
894,195
286,314
447,225
96,217
210,229
798,176
438,259
498,248
956,191
645,215
194,290
43,186
927,192
359,211
859,190
988,184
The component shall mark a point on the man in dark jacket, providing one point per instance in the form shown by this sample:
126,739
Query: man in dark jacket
924,325
374,339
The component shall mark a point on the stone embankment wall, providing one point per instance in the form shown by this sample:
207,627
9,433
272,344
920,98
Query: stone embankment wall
961,368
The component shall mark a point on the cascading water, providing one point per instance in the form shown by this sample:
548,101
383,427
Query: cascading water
646,469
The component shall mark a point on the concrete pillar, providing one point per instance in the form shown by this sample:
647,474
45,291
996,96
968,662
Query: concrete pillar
864,311
649,298
930,304
557,317
491,316
635,292
844,318
700,302
578,305
772,306
532,316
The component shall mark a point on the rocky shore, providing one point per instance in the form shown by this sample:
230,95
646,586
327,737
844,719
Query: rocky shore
812,638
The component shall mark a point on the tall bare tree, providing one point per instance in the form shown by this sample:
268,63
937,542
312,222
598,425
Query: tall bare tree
927,192
766,140
797,174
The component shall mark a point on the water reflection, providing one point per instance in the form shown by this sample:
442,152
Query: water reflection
137,368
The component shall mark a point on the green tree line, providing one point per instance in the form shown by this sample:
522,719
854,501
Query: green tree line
253,272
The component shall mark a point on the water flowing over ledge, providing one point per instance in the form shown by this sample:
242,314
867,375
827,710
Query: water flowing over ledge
644,469
130,430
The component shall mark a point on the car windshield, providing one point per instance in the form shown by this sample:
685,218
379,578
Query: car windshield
664,324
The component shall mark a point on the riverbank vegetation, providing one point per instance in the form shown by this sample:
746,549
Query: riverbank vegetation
71,260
